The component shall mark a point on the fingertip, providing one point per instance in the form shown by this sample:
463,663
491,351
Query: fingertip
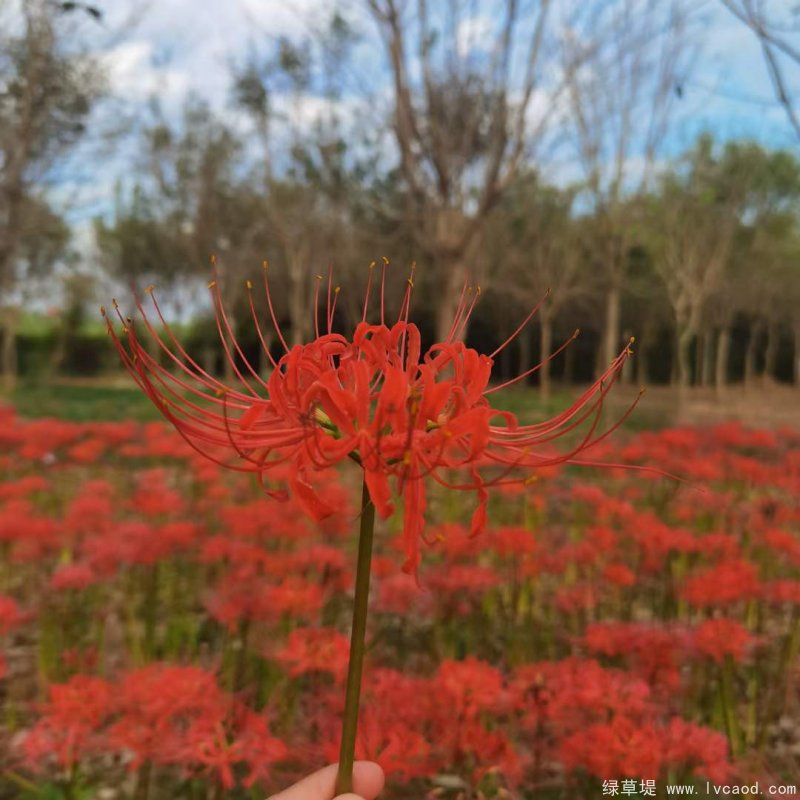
368,780
348,796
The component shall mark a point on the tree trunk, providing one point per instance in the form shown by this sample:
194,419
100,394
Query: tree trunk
628,375
611,346
751,353
642,367
721,365
698,359
685,339
525,364
771,349
208,359
456,237
797,356
708,358
569,364
545,347
8,348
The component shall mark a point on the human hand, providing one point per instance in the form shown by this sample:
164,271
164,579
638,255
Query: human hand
367,784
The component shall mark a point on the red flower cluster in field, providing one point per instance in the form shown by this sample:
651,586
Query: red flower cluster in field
163,626
160,714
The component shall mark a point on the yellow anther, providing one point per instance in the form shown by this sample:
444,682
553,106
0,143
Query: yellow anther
212,284
323,418
337,290
319,277
220,392
124,329
114,302
385,261
406,458
531,479
213,260
265,264
411,282
478,290
248,284
372,265
150,289
103,310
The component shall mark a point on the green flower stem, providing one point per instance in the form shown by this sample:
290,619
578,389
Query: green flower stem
729,706
344,779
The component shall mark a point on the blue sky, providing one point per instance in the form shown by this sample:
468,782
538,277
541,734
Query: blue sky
182,46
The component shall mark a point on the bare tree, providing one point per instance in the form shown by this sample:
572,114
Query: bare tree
303,202
622,63
464,78
777,47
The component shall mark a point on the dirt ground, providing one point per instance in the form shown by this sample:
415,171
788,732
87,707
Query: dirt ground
761,405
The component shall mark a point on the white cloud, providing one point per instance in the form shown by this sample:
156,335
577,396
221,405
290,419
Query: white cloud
135,74
475,33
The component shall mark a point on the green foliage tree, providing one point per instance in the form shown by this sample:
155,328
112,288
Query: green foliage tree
47,90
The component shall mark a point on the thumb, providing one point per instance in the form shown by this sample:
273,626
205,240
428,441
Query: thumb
367,780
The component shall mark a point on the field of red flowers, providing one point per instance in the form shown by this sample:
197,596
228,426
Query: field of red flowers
169,631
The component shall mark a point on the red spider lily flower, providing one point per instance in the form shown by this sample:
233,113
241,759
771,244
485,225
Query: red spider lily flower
374,397
718,638
69,728
10,614
315,650
722,584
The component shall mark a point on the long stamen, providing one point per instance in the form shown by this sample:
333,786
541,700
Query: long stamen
570,412
332,310
316,306
563,346
328,306
367,293
463,302
405,308
458,311
264,346
522,325
196,371
405,303
464,322
221,319
265,266
383,289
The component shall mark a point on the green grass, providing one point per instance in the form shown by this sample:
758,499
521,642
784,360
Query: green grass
528,406
96,400
81,403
